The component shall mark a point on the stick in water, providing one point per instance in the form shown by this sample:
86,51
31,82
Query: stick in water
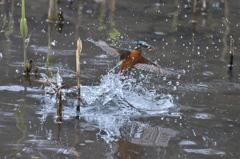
231,52
78,52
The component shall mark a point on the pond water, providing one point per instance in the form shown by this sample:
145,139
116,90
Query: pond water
137,116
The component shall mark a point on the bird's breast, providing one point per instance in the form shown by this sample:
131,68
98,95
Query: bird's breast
133,58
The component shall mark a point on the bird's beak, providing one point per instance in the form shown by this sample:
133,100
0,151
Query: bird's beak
145,45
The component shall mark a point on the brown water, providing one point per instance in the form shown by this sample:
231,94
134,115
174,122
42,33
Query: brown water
142,116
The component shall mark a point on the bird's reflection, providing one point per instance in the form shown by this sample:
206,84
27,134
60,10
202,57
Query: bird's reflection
155,136
128,150
142,136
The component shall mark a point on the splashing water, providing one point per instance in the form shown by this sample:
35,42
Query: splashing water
110,104
117,95
120,95
110,87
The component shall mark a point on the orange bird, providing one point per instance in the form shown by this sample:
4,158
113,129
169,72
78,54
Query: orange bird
134,59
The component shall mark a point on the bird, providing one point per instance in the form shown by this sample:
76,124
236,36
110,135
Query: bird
133,59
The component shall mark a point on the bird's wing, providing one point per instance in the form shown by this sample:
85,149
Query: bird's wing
114,51
149,66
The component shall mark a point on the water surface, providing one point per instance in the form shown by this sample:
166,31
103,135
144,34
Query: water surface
141,115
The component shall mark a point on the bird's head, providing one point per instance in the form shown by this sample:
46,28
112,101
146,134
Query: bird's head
143,44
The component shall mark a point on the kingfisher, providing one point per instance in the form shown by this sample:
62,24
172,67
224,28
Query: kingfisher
133,59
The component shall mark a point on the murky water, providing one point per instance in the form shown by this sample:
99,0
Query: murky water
138,116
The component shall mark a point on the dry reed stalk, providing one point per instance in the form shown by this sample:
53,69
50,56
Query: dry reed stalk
78,70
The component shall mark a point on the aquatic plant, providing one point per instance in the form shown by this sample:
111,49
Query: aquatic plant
24,32
231,54
78,70
23,22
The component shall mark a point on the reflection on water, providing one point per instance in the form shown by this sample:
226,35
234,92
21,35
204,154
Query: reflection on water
136,116
154,136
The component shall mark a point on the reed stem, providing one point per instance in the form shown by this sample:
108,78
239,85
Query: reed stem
25,55
24,32
78,68
231,53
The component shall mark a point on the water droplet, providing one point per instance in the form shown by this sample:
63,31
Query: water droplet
53,43
178,76
27,40
89,11
168,119
157,4
1,55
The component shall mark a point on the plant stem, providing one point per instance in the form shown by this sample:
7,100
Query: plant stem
78,70
25,55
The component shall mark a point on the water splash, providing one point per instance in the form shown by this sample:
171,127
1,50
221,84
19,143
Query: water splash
116,95
110,87
127,95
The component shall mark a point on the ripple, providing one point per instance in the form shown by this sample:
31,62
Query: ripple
205,151
89,141
208,73
203,116
17,88
187,142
